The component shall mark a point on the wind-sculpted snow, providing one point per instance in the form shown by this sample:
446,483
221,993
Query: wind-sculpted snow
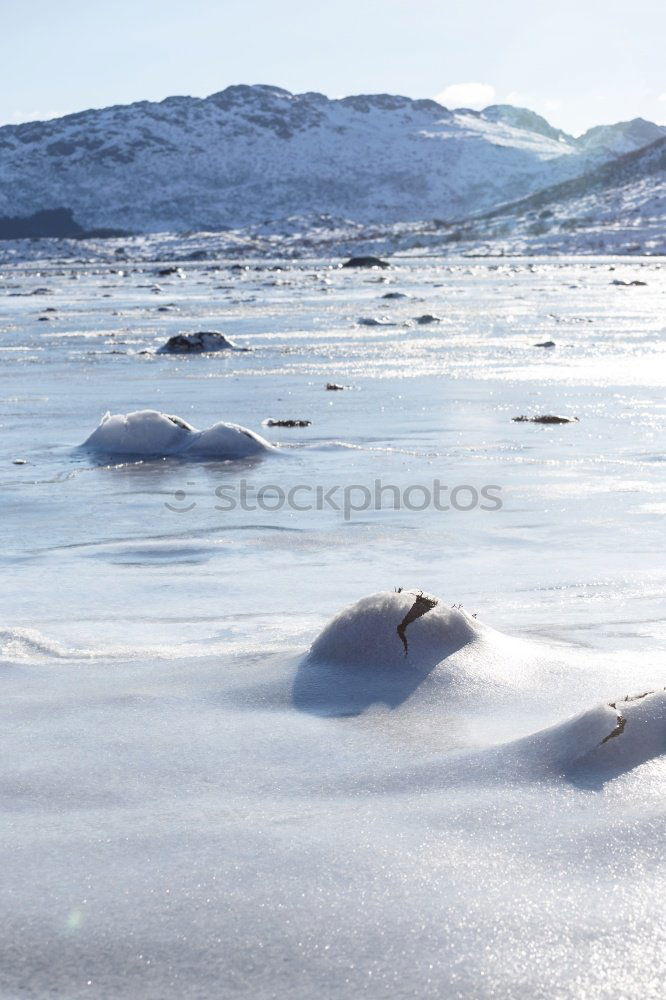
150,433
383,648
593,747
249,154
19,644
461,672
366,635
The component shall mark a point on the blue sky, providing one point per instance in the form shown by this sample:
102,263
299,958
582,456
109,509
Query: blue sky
578,62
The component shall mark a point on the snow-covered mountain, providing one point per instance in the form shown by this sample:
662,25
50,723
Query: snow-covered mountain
251,154
624,137
526,121
619,207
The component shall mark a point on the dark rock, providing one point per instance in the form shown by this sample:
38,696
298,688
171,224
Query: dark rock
164,272
374,321
428,318
334,387
287,423
547,418
546,343
365,262
203,342
628,284
420,607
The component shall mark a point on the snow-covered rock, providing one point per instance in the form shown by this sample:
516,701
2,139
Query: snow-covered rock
600,743
374,321
366,634
380,650
150,433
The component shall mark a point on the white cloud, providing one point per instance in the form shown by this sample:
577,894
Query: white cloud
467,95
19,117
662,97
517,99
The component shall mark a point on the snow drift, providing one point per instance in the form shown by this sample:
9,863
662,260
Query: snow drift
381,649
150,433
598,744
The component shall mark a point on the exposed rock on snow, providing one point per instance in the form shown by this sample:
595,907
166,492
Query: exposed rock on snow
421,606
334,387
270,422
204,342
150,433
428,318
165,272
546,343
547,418
366,262
374,321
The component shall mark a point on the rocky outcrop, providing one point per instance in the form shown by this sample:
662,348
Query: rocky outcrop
203,342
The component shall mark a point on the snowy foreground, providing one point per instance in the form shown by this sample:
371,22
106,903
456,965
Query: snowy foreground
262,750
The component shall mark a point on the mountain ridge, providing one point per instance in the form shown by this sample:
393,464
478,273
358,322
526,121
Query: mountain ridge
249,154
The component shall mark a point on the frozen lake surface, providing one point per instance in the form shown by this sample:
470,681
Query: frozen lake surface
193,805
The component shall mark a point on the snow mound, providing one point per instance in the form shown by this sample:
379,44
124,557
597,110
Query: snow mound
155,434
382,648
601,743
366,633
